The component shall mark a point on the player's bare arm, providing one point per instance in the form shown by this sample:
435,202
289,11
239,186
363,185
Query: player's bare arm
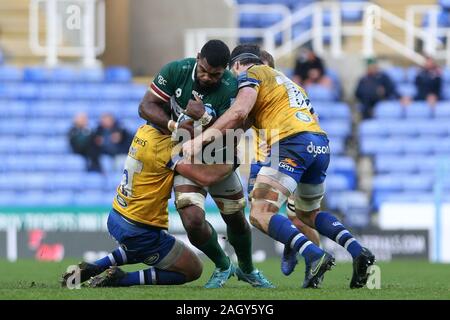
151,109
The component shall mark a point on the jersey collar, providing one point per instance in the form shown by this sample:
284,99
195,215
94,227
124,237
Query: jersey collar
193,71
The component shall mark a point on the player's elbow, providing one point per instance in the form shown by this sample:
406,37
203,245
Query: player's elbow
240,115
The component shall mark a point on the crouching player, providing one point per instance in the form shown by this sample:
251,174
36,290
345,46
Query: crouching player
139,218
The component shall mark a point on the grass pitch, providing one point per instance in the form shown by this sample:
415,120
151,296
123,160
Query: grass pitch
399,280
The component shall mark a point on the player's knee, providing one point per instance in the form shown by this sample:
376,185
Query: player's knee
230,206
308,217
186,199
196,271
193,218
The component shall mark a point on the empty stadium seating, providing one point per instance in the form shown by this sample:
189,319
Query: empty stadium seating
407,145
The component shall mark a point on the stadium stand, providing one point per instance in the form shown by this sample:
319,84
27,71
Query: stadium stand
38,166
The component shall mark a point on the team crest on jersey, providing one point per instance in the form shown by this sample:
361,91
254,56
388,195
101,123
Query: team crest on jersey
178,92
303,117
121,201
132,151
152,259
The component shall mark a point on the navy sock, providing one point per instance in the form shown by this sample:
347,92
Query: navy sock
116,258
332,228
153,276
282,229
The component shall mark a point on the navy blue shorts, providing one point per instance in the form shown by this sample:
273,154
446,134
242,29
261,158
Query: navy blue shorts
142,244
303,158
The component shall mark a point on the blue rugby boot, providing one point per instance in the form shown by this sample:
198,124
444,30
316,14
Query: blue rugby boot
288,261
255,278
316,269
219,277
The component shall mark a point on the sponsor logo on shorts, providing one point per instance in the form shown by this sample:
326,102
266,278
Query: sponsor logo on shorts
315,150
288,164
152,259
121,201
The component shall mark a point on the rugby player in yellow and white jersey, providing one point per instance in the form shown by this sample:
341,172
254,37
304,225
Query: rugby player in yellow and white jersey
261,149
139,218
299,158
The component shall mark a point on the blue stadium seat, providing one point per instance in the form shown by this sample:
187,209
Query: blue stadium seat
442,110
11,109
388,163
440,146
58,198
377,145
419,109
432,129
388,110
320,93
407,90
404,127
338,182
93,198
137,91
411,74
65,74
69,181
8,198
10,74
31,198
397,74
19,91
332,110
418,182
37,74
445,92
387,183
344,166
341,129
91,75
418,146
118,74
350,14
371,128
8,143
55,91
354,205
14,127
94,181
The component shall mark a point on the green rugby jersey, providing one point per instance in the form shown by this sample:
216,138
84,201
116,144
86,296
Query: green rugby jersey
175,83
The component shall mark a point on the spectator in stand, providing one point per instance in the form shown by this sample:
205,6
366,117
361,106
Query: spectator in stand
373,87
81,142
429,82
112,139
310,69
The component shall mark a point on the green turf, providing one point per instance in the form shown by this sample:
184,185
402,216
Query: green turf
399,280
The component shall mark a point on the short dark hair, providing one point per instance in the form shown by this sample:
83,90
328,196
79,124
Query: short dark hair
216,53
265,56
246,54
